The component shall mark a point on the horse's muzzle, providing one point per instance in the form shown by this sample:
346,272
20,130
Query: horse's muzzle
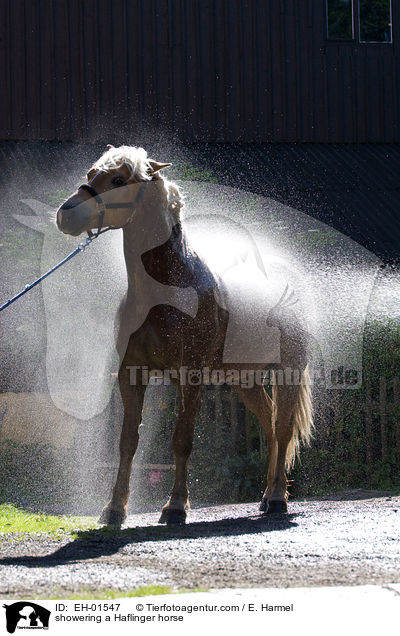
73,217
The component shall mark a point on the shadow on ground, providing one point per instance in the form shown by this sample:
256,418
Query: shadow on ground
92,544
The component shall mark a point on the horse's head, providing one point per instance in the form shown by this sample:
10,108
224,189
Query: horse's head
117,185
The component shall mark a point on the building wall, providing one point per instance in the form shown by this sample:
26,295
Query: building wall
205,70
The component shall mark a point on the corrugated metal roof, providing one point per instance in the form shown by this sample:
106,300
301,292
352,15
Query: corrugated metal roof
215,70
353,187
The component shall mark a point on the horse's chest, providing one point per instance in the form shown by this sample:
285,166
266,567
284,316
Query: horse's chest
169,338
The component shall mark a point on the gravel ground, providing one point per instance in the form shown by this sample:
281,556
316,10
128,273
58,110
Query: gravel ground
329,542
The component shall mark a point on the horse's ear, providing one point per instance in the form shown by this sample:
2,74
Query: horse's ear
155,166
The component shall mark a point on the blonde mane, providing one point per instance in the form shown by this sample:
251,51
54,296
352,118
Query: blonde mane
140,169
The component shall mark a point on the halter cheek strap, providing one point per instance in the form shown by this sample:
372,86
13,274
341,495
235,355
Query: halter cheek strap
102,207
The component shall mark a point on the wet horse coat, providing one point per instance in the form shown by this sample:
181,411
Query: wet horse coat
172,318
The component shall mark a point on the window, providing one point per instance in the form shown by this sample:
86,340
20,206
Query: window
374,23
340,20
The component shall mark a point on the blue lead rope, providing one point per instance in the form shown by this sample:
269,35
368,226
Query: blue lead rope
81,247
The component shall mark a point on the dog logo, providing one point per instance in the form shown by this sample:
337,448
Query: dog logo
26,615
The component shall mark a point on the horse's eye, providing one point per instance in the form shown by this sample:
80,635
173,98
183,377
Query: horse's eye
118,181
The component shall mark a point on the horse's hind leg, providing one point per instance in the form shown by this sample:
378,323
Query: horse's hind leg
132,397
174,511
259,402
287,398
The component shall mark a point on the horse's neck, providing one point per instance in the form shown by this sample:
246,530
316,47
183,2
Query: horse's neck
169,262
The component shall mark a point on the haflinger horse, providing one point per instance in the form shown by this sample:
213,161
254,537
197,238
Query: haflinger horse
172,319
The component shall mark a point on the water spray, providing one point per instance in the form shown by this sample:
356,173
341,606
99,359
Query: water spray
81,248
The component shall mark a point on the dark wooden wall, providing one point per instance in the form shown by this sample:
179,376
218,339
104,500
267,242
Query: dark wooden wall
207,70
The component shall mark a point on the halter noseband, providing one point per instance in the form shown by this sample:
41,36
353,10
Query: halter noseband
102,207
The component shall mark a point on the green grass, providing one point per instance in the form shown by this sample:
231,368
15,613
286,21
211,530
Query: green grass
86,593
13,520
189,172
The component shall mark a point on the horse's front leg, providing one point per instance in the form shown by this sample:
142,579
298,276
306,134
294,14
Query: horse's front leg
174,511
115,511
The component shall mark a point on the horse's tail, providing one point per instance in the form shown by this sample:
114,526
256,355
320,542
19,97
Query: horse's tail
303,420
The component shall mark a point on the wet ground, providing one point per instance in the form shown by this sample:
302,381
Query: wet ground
329,542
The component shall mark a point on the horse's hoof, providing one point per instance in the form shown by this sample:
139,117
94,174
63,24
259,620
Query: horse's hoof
173,517
263,505
110,517
276,507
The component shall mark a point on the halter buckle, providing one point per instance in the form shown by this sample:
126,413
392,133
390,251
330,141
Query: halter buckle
101,207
